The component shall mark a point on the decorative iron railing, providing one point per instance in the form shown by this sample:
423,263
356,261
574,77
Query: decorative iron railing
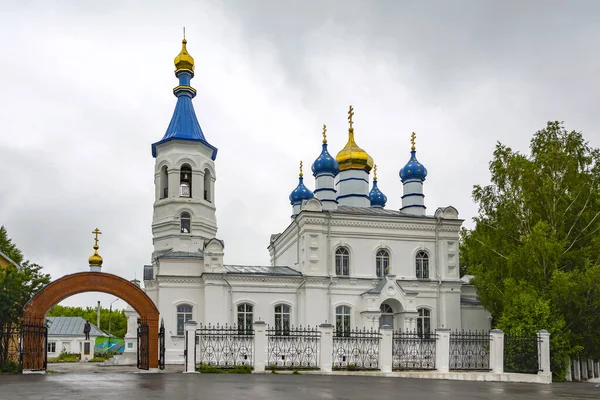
34,344
226,346
521,354
10,354
356,349
294,348
413,351
470,351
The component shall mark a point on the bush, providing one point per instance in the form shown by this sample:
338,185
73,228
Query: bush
10,367
212,369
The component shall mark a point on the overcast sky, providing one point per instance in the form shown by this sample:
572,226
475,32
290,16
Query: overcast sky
86,87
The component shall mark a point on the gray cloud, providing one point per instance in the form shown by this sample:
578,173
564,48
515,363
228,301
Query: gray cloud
87,89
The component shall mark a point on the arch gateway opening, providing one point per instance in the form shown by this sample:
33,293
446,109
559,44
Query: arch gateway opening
34,339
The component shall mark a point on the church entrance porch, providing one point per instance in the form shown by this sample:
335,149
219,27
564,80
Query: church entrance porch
33,343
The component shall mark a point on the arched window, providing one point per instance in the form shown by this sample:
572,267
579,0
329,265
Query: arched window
184,314
422,260
382,262
342,320
387,315
164,183
282,319
186,222
424,322
245,317
207,185
342,261
185,181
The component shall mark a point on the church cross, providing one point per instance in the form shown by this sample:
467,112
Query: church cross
324,133
96,232
412,140
350,115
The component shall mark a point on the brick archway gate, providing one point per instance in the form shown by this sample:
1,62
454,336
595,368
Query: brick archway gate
69,285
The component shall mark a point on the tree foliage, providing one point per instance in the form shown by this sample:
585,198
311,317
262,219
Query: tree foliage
115,319
18,284
535,248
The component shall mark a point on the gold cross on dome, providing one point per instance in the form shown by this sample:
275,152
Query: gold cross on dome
96,232
350,115
300,169
412,140
324,133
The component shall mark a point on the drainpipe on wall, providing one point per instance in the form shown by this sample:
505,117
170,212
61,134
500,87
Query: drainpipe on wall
438,223
298,302
230,299
297,242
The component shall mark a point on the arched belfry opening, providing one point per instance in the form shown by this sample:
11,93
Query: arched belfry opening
207,185
164,183
185,181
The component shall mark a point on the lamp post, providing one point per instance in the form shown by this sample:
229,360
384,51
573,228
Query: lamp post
110,314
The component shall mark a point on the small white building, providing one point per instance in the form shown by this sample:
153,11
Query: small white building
66,334
344,257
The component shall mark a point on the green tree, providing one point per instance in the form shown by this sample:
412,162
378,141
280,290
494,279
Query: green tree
116,320
535,248
18,285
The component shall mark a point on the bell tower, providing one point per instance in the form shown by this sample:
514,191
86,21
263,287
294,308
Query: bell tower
184,174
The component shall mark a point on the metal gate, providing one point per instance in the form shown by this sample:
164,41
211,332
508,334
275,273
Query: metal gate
143,347
161,344
34,345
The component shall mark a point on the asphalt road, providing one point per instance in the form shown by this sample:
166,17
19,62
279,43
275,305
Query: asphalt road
179,386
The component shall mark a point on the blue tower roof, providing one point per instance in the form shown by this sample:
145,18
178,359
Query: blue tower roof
413,169
325,164
378,199
184,124
301,192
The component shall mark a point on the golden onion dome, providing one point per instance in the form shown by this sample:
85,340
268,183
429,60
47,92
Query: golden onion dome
352,156
184,61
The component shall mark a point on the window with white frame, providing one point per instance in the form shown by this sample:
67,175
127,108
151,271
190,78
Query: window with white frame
387,316
342,320
342,261
51,347
422,265
424,322
382,262
184,314
245,317
282,319
186,222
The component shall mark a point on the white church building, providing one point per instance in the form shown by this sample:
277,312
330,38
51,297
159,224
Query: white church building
344,258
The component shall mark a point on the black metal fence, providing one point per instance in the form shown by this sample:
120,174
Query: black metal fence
356,349
143,346
10,354
521,354
413,351
224,346
295,348
469,351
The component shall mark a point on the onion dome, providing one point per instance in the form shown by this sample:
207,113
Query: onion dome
95,260
325,163
413,169
378,199
184,61
352,156
301,192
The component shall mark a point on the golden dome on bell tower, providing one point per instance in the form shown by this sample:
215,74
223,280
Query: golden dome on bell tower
184,61
352,156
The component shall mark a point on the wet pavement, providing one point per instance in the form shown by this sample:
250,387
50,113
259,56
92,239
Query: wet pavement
148,386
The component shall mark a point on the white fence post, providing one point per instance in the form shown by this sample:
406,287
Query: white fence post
326,351
442,352
544,357
569,376
190,347
497,351
261,345
386,349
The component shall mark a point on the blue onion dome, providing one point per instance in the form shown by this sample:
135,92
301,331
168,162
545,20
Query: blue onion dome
301,192
325,164
378,199
413,168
